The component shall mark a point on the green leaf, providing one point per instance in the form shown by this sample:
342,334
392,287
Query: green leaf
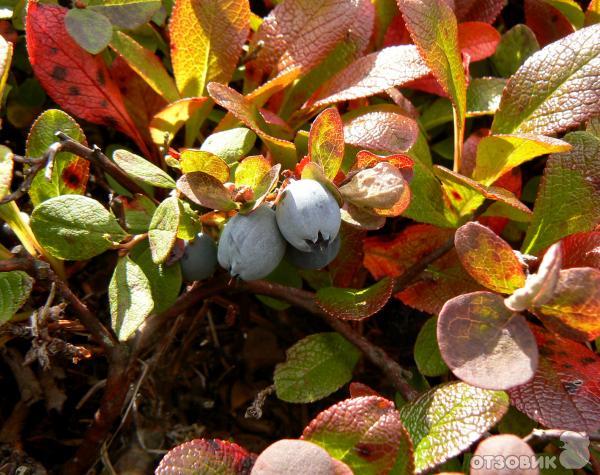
427,351
189,224
15,287
142,170
315,367
146,64
251,170
516,45
483,96
125,14
352,304
365,433
206,42
447,419
231,145
568,199
165,281
75,227
6,170
205,190
70,172
130,298
434,30
202,161
555,89
326,141
284,274
570,9
163,229
137,212
498,154
91,30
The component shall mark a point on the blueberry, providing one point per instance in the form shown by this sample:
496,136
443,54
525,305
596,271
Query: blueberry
308,215
251,246
315,259
199,258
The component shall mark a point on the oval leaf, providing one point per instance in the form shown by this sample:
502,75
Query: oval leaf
315,367
230,145
489,258
447,419
205,190
91,30
366,434
15,287
75,227
326,141
427,351
130,298
540,96
353,304
484,343
201,161
166,123
163,229
142,170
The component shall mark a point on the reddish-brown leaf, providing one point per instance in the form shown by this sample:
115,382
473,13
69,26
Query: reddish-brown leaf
478,10
548,23
366,433
380,128
347,268
581,250
373,74
206,456
565,391
574,308
489,258
397,34
76,80
484,343
299,33
404,163
477,39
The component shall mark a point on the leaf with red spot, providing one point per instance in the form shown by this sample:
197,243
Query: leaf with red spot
380,128
365,433
574,306
489,258
355,304
565,391
477,39
581,250
484,343
478,10
78,81
326,141
69,172
207,456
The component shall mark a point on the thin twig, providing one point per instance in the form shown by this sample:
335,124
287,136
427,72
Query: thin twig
306,300
95,155
548,435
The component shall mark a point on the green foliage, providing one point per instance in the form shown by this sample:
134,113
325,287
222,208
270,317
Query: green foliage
15,288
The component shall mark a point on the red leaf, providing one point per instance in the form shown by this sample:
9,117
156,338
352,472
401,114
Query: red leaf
548,23
359,389
470,151
206,456
478,10
347,268
581,250
76,80
565,391
477,39
397,34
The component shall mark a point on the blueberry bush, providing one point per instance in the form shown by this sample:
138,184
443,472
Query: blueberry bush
300,236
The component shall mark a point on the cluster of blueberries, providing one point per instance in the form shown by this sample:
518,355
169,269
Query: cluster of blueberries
304,227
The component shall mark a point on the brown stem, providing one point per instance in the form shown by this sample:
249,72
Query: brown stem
306,300
548,435
96,156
